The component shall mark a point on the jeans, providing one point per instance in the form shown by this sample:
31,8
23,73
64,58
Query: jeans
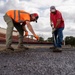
58,34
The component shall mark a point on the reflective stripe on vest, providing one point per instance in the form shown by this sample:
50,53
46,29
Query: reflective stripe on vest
19,15
14,14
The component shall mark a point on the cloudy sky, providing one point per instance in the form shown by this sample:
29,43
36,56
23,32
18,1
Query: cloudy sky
42,28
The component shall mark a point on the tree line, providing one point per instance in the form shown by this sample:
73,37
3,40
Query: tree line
68,40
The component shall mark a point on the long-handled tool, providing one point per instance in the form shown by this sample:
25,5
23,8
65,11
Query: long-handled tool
54,41
53,36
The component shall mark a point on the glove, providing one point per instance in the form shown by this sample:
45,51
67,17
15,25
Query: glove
26,33
53,30
37,37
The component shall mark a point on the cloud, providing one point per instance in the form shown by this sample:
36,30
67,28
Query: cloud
67,8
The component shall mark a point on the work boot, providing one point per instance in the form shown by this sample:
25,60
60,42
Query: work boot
22,47
52,47
57,50
10,48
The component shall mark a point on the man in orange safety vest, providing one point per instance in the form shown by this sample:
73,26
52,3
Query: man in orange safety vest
18,19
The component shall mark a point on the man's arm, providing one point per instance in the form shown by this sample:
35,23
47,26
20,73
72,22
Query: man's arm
31,29
59,19
58,23
24,28
51,23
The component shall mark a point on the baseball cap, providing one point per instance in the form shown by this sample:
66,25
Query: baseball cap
52,8
36,16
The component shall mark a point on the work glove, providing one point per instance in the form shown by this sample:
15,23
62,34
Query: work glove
26,33
53,30
37,37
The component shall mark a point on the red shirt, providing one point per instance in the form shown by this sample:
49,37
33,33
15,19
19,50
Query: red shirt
55,17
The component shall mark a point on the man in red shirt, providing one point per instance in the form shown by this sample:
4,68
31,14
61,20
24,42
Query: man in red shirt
57,22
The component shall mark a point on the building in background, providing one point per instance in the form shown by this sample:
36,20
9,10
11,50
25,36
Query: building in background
28,39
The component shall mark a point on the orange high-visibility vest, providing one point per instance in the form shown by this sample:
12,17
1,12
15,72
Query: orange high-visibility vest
18,15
